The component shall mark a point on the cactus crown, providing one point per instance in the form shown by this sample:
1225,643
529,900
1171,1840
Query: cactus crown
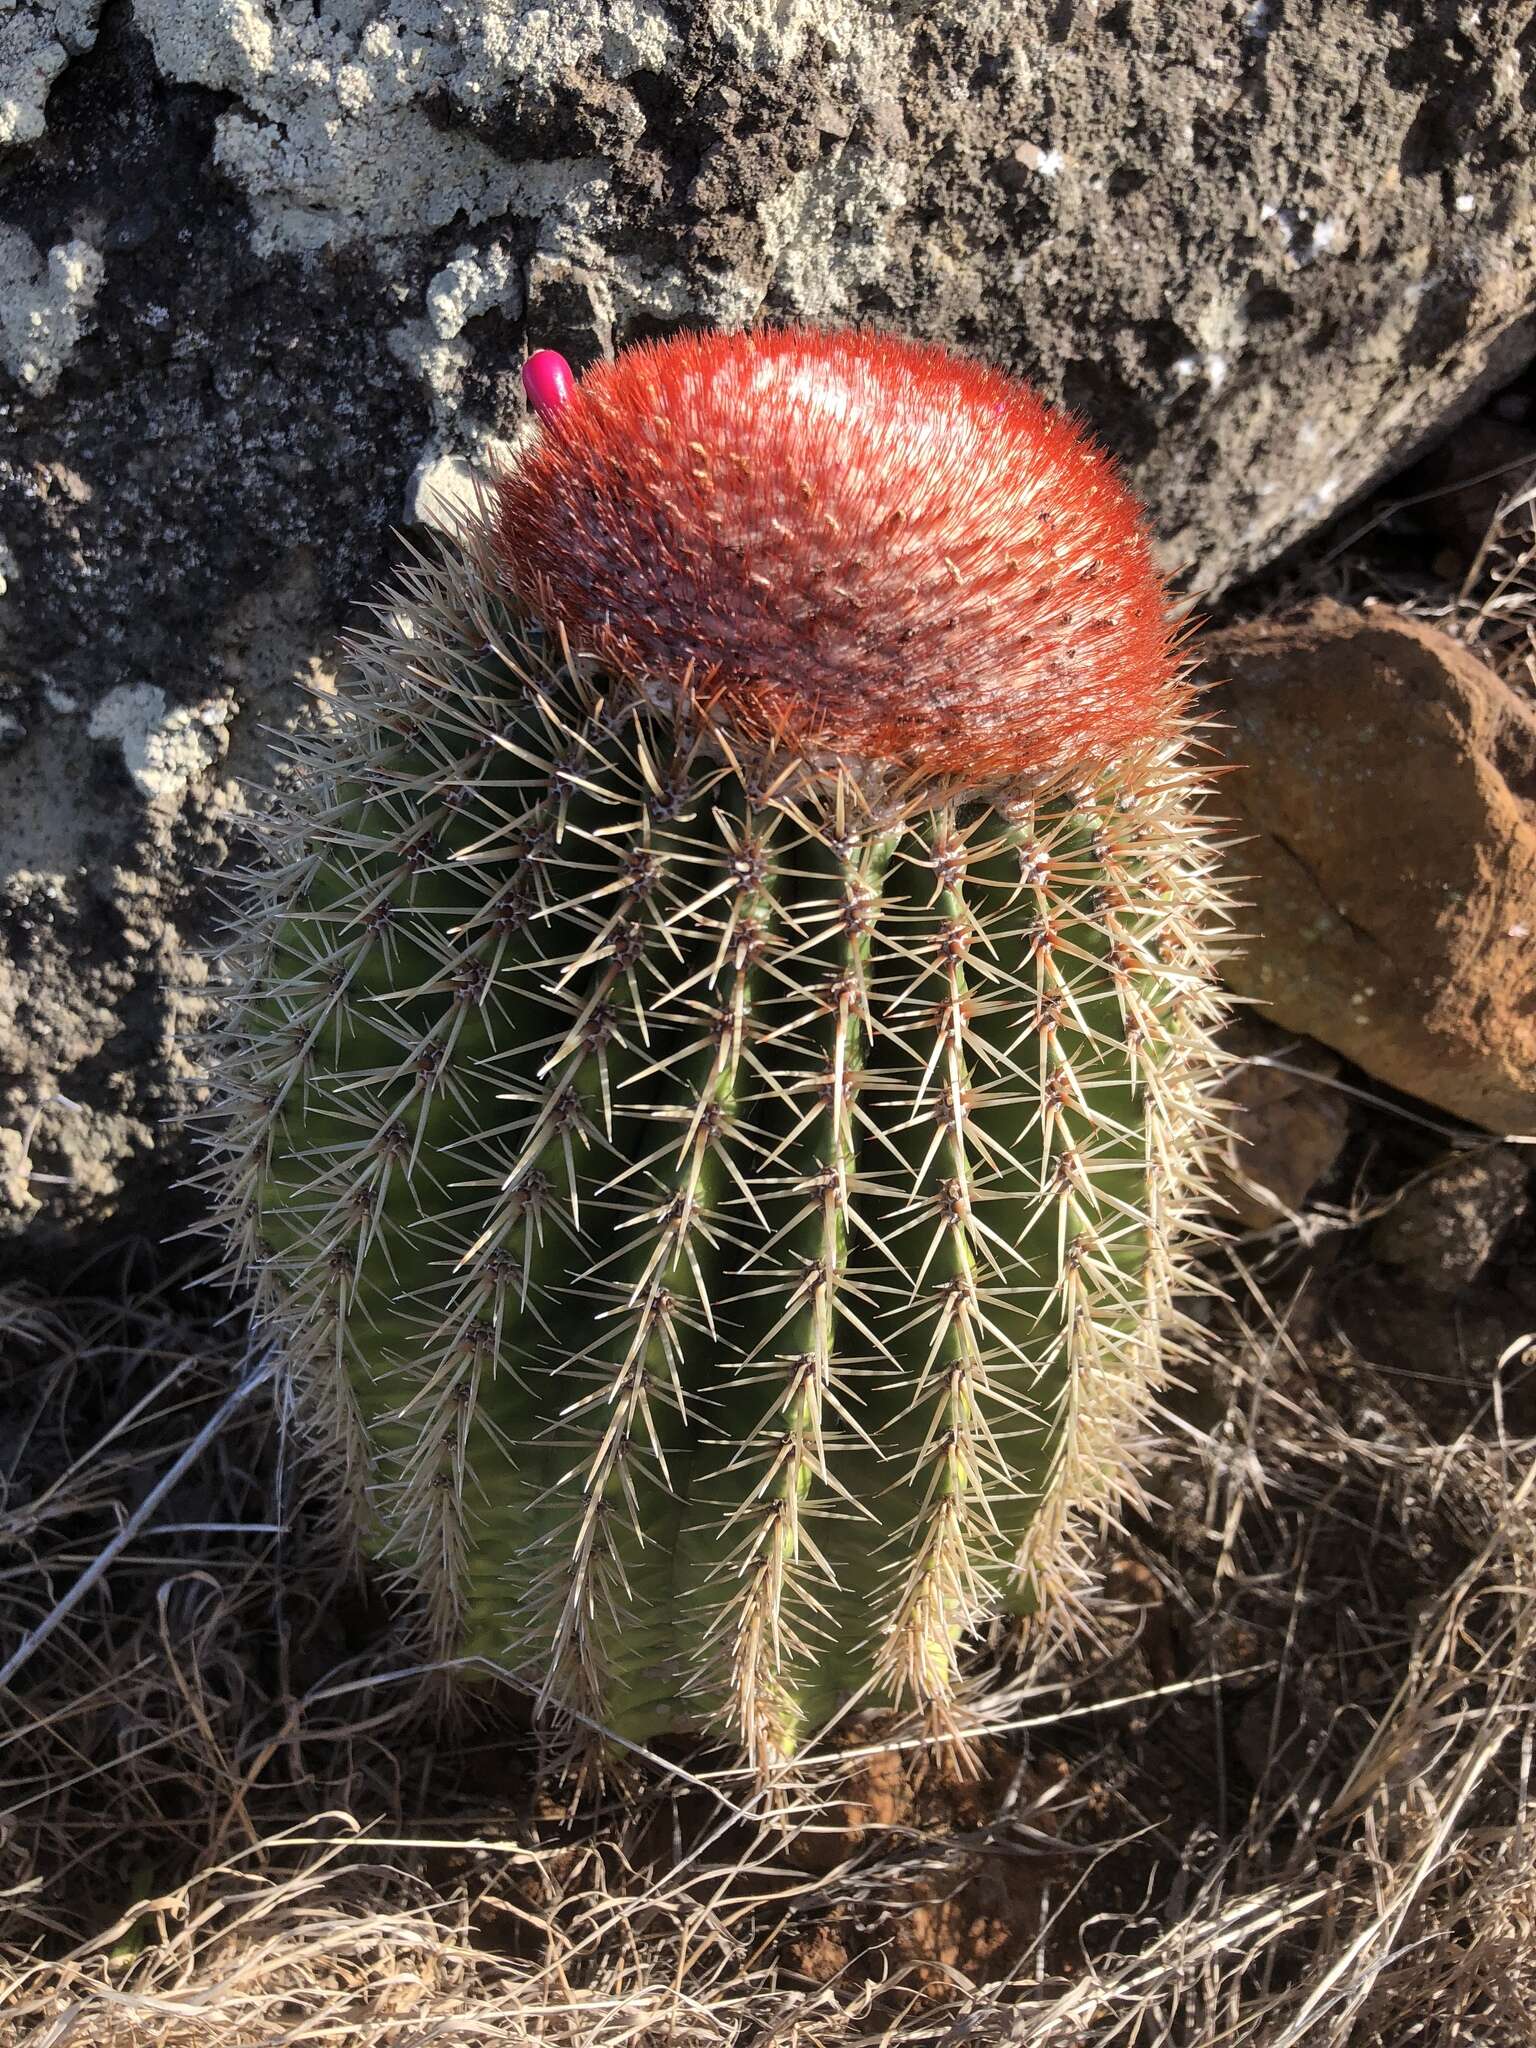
712,1121
859,543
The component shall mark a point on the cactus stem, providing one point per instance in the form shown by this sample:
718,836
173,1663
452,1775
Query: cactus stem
716,1197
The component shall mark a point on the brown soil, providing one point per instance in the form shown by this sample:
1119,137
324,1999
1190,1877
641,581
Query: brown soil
980,1906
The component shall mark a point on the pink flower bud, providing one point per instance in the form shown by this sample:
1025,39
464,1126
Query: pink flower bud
548,382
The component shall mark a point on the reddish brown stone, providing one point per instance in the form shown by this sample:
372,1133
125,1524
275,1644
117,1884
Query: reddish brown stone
1386,787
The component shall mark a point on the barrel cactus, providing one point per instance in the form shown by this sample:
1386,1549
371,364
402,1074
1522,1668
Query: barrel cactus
715,1087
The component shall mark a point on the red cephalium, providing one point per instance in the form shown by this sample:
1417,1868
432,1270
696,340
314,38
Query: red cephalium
867,544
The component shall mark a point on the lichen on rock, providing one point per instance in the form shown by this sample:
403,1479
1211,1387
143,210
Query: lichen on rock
44,304
164,750
37,40
332,141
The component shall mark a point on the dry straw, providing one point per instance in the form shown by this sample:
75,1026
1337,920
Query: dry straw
214,1838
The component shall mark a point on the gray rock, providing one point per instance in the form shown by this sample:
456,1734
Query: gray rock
1446,1227
272,270
37,40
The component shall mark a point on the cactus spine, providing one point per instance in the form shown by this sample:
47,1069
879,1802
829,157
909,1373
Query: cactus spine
718,1177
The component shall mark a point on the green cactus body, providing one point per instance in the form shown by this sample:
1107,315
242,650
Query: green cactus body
718,1204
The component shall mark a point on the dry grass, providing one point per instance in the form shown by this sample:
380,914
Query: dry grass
1285,1800
209,1846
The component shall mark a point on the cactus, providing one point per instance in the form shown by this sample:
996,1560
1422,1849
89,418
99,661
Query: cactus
721,1058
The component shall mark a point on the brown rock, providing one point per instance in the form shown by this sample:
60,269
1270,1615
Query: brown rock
1020,166
1447,1226
1287,1128
1385,784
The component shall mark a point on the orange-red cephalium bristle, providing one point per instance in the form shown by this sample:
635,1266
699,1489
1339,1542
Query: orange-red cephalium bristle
867,544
